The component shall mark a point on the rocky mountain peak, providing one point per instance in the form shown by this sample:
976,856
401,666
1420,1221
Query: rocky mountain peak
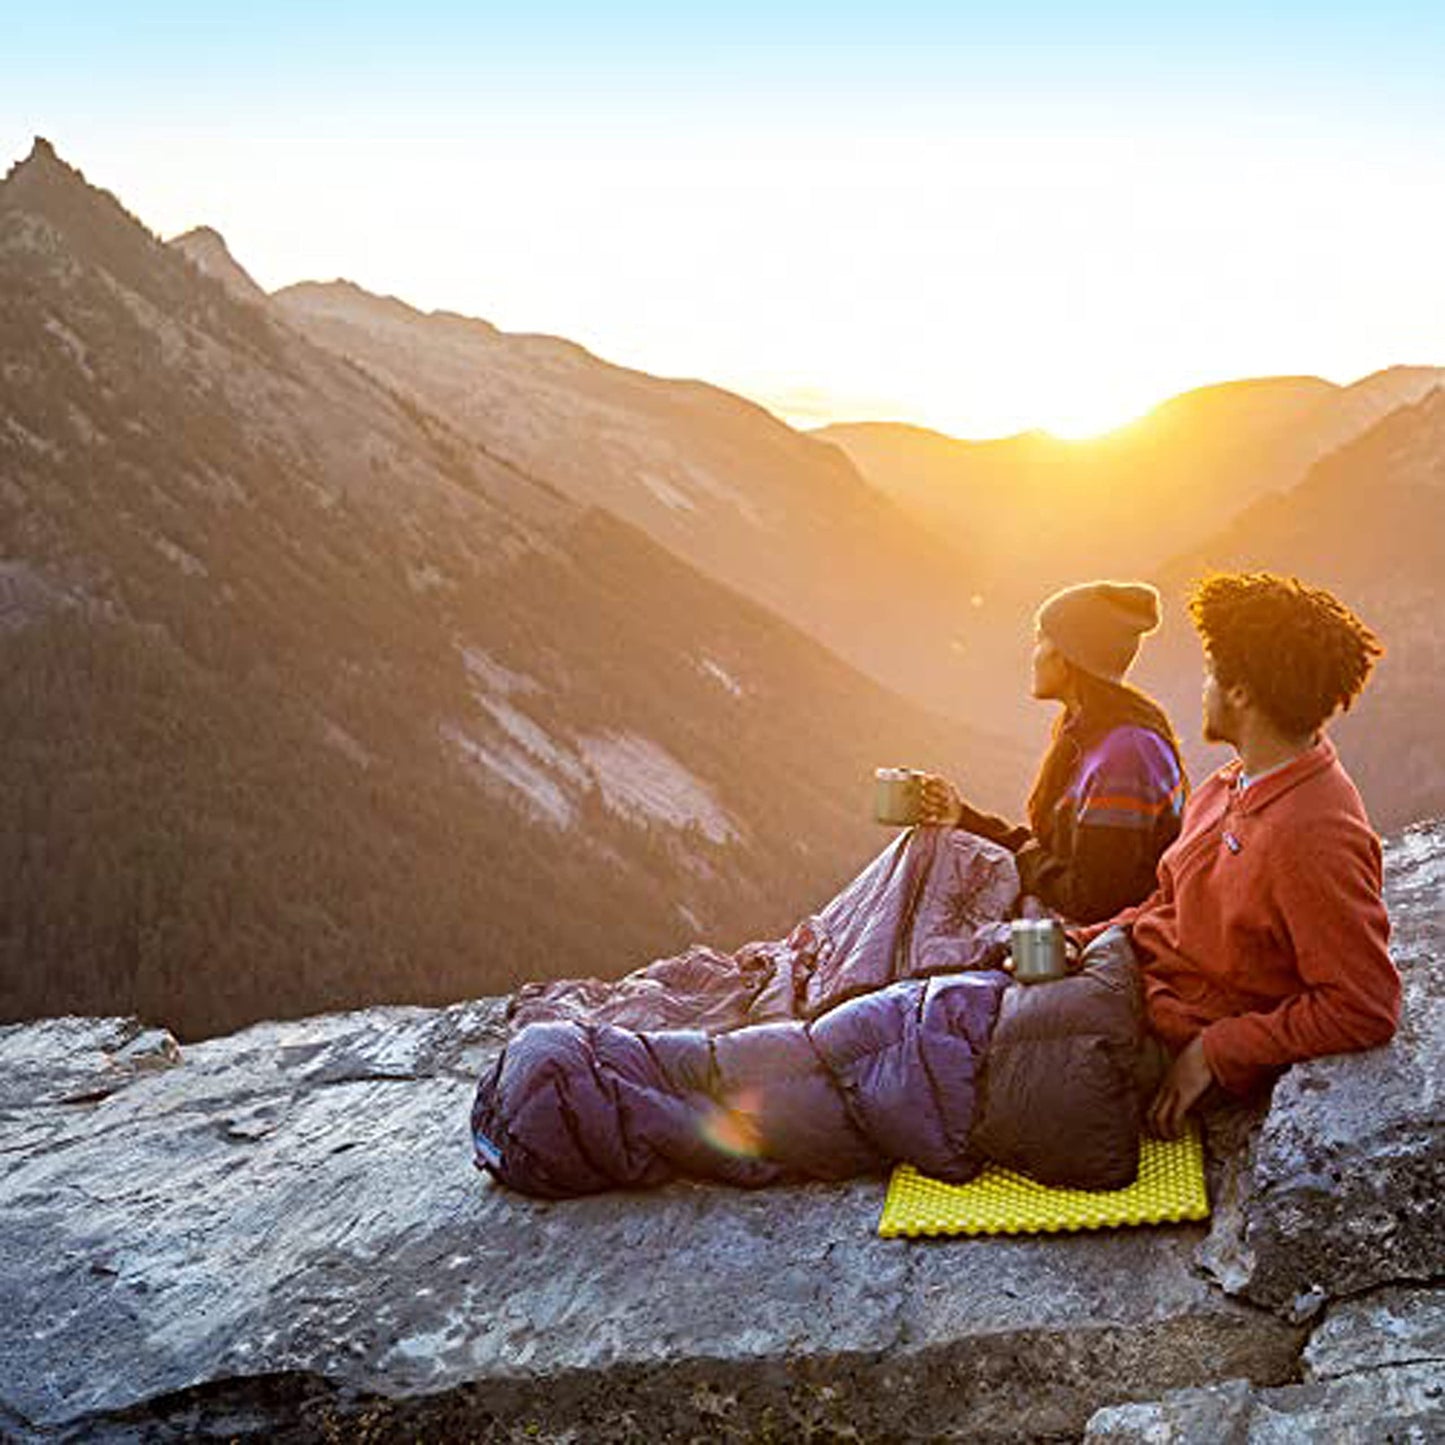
407,614
206,248
42,153
42,166
91,222
341,297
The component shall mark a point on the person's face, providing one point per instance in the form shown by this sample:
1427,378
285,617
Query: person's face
1051,671
1221,710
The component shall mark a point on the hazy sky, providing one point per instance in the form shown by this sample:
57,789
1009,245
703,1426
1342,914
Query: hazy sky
979,220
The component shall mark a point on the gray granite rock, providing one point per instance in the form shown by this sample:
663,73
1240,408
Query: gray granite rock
1393,1326
74,1060
279,1235
1343,1188
282,1236
1376,1369
1403,1405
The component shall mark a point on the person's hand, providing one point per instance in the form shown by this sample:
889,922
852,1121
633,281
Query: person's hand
1188,1079
941,803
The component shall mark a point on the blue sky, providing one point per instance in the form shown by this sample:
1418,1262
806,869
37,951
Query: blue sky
740,39
973,218
786,56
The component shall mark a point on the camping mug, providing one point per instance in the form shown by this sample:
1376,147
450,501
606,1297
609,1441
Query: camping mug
898,795
1038,950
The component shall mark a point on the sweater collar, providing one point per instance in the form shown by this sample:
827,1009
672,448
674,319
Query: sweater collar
1272,785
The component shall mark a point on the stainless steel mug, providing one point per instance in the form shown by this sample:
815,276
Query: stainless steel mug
1038,950
898,795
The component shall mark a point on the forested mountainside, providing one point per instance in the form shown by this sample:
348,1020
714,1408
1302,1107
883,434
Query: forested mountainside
312,702
1369,522
783,518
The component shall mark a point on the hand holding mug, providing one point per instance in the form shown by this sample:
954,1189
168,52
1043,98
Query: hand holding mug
941,804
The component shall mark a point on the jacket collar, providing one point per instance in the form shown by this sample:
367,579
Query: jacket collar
1276,784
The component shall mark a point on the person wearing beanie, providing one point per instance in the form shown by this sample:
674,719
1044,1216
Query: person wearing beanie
1110,792
1098,625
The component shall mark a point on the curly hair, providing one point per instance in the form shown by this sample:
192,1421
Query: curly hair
1300,652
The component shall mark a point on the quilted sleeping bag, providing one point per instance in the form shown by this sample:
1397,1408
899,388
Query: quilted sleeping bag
828,1055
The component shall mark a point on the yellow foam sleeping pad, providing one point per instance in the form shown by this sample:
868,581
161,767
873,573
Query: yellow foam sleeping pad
1169,1189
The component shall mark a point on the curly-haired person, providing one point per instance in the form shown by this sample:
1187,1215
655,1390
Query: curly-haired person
1266,940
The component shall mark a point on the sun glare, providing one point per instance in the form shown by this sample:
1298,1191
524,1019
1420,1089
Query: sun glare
1073,412
1091,426
1076,418
1077,397
1072,419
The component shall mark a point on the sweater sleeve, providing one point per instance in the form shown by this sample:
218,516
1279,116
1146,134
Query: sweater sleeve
1330,902
1125,812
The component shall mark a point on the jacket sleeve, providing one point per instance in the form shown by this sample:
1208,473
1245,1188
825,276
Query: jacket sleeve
1111,869
1331,906
1126,917
994,829
1125,811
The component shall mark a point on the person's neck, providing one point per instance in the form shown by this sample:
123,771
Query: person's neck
1262,748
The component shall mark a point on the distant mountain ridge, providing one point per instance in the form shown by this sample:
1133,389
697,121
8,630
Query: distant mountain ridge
1367,521
712,477
311,701
1133,497
206,248
1018,517
1034,513
1021,516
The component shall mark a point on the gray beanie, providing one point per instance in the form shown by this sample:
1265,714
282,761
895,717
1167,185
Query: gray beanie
1097,625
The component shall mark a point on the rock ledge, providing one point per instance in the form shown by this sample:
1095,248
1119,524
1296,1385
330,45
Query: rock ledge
279,1236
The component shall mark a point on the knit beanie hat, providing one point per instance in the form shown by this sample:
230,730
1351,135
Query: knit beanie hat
1097,625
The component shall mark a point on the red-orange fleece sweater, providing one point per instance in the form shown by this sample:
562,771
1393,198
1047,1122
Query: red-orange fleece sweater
1267,933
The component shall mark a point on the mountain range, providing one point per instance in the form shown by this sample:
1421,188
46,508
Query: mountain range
1338,484
313,700
715,479
1126,500
356,654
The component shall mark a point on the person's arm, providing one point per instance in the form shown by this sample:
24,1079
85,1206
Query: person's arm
943,806
1012,836
1125,917
1110,870
1328,895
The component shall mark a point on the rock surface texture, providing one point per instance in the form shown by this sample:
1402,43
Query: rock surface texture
279,1235
1343,1188
1374,1371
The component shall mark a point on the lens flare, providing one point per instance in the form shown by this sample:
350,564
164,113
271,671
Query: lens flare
732,1125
